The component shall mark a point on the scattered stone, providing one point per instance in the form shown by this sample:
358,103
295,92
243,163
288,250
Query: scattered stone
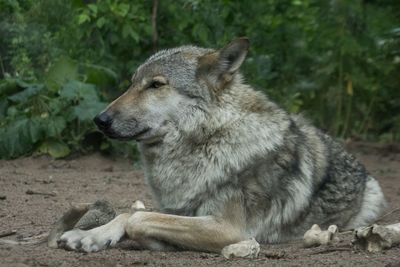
274,255
244,249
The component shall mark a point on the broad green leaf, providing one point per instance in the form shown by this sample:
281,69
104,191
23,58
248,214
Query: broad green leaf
15,138
100,22
82,18
93,8
26,94
100,76
12,86
123,9
87,110
75,90
127,30
36,129
55,148
55,126
63,70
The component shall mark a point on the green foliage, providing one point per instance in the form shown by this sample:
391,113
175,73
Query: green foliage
60,61
53,122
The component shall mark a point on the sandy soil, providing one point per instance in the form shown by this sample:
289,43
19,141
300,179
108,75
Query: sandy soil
93,177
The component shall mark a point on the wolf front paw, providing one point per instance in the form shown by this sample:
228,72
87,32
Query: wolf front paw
88,241
71,240
97,238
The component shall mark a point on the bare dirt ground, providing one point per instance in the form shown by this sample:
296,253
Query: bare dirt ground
93,177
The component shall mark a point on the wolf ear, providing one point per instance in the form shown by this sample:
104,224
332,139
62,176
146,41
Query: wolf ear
219,67
232,55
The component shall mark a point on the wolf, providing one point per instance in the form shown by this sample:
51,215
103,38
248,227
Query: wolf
223,162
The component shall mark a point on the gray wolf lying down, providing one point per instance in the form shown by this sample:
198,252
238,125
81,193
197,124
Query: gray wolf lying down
223,162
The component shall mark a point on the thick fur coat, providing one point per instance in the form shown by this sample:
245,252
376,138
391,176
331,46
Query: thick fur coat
230,162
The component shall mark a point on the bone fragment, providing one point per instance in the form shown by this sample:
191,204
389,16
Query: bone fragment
138,205
376,238
244,249
316,237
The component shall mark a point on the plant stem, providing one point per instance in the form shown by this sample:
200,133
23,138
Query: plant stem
363,126
3,72
154,25
340,94
349,107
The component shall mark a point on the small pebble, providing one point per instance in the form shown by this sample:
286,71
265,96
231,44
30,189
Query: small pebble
244,249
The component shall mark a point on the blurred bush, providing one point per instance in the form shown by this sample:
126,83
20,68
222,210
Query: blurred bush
61,61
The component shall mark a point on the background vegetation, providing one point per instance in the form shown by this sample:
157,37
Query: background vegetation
338,61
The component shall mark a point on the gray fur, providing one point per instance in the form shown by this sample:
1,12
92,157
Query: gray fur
228,151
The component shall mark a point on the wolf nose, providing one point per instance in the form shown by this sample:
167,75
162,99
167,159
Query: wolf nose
103,121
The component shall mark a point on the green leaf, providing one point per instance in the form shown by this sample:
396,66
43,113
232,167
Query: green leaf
82,18
35,129
100,22
87,110
127,30
100,76
63,70
12,86
55,126
55,148
123,9
26,94
15,139
75,90
93,8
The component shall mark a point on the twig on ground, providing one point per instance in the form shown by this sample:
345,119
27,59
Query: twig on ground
7,233
387,214
31,192
329,250
34,240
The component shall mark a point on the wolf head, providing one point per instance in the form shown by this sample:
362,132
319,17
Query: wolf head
172,90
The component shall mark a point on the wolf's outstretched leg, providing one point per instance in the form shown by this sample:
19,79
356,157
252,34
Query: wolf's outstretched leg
157,231
199,233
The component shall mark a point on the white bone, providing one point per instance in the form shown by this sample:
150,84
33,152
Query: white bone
244,249
377,237
316,237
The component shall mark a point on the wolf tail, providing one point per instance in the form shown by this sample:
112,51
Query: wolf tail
373,205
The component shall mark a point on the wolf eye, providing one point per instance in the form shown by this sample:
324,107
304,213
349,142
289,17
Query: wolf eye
155,84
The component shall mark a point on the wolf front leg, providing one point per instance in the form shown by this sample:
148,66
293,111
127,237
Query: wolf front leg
156,231
206,233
